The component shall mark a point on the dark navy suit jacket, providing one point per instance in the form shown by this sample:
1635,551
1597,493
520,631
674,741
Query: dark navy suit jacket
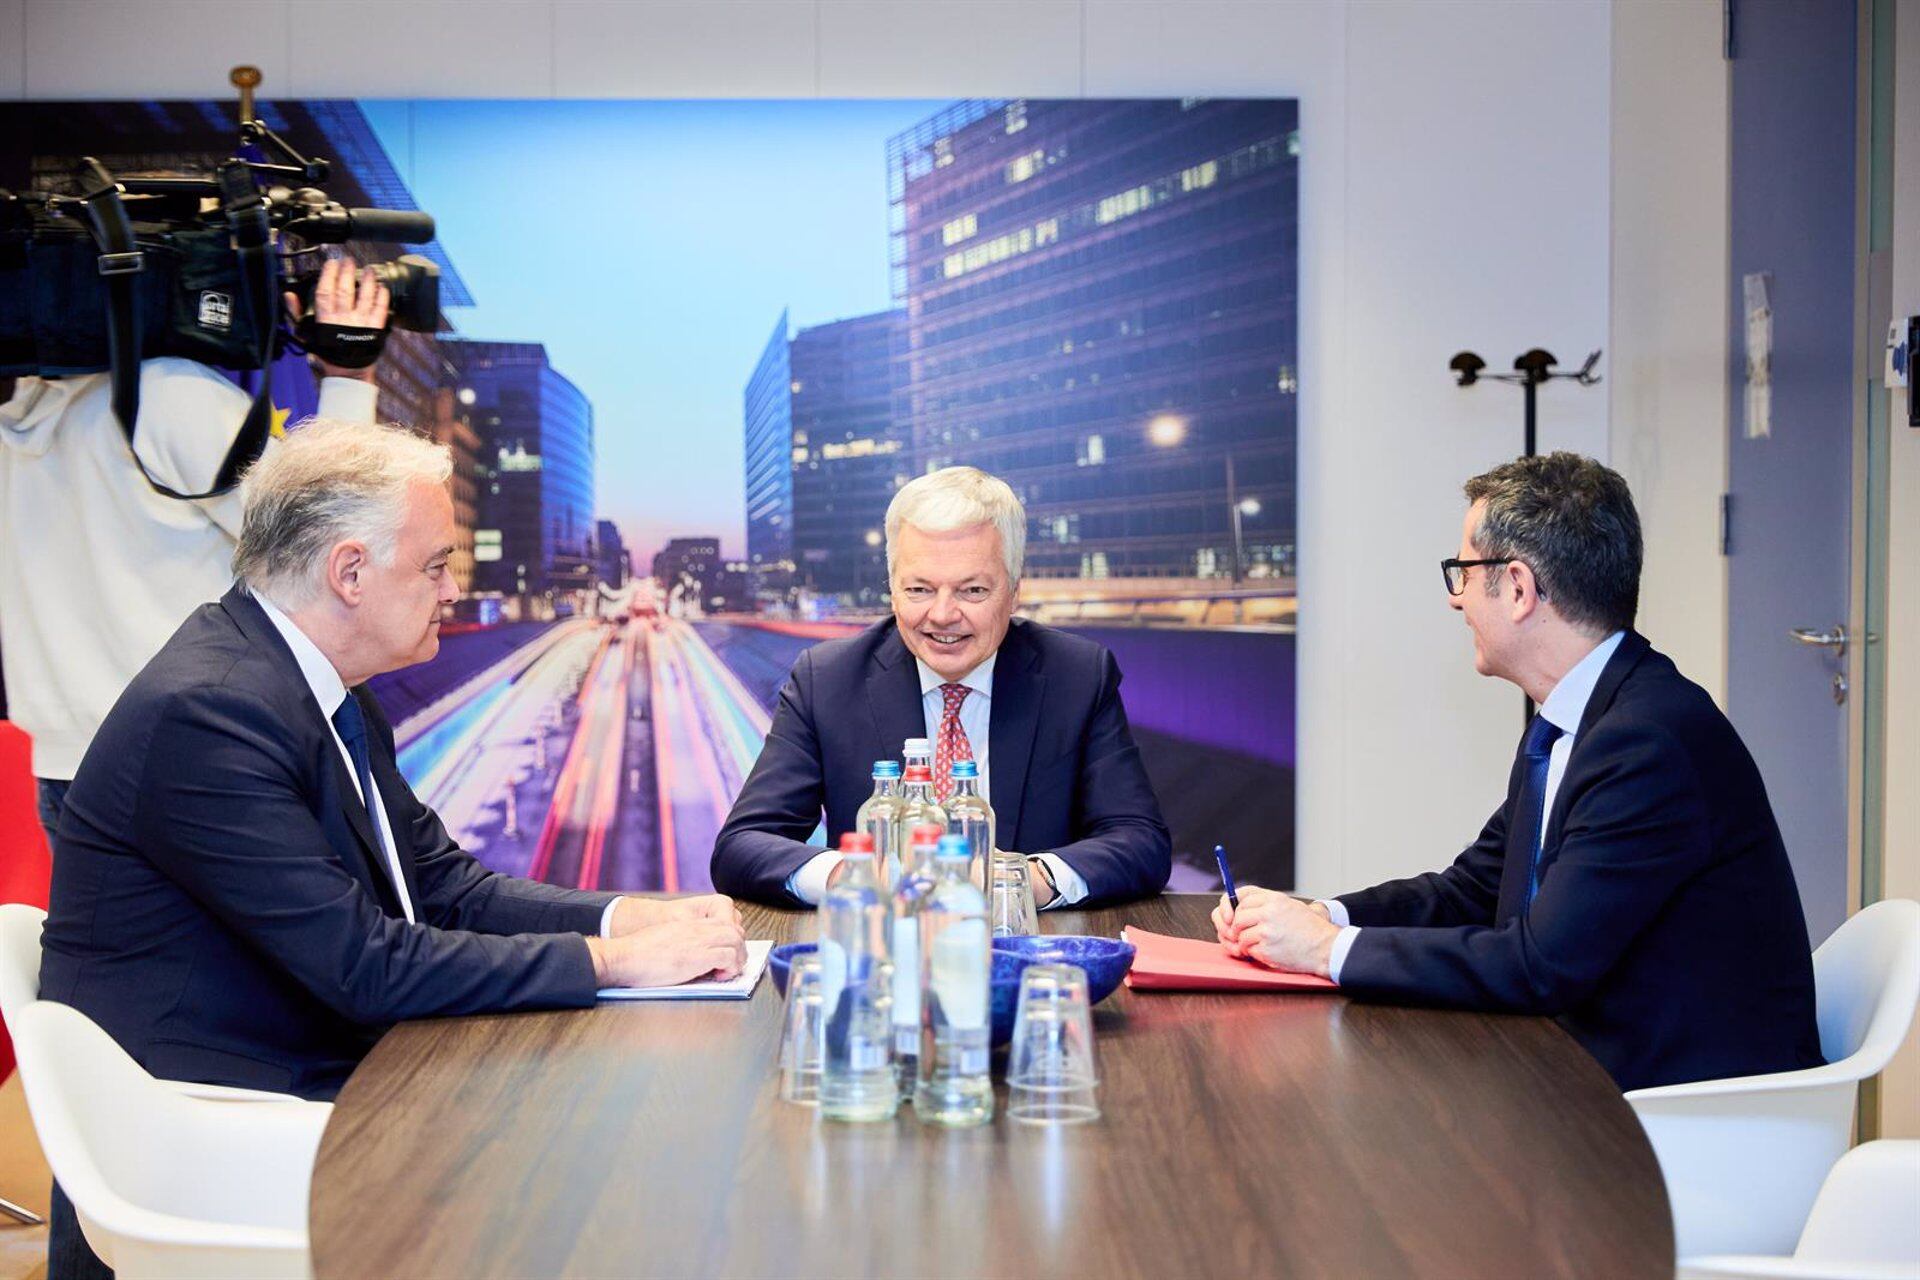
1666,935
1065,776
221,904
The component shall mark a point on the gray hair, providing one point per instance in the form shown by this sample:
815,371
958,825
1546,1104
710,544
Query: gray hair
1571,520
960,498
328,483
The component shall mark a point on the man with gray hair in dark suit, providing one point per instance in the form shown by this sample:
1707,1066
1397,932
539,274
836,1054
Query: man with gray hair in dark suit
1037,710
245,890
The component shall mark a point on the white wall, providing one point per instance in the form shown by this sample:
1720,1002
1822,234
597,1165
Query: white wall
1669,321
1454,194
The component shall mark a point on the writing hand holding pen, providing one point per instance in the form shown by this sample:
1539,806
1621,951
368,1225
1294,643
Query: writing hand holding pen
1276,930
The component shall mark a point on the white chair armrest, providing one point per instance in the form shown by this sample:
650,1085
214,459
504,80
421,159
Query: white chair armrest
227,1092
1842,1072
1730,1266
150,1226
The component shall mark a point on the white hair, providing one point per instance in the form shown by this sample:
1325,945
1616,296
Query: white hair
328,483
960,498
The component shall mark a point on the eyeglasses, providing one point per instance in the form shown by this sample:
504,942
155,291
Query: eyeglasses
1455,571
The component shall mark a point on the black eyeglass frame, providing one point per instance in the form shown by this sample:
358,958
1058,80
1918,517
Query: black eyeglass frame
1451,563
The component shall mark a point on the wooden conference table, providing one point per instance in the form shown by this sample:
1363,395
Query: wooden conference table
1242,1135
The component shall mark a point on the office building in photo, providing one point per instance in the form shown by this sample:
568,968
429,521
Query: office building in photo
536,527
847,457
824,458
451,426
768,422
1100,308
614,562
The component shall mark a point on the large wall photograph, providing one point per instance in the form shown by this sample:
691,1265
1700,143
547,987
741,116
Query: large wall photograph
688,352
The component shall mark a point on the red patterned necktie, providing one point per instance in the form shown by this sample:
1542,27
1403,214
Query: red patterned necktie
952,744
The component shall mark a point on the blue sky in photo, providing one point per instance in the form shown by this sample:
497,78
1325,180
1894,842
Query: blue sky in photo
652,246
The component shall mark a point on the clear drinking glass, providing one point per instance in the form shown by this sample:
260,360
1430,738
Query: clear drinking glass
802,1044
1051,1075
1010,908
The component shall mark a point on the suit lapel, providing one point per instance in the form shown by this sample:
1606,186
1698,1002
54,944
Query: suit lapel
1513,875
1633,647
1019,687
387,780
893,698
1513,870
370,864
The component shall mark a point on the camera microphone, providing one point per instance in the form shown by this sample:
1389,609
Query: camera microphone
394,226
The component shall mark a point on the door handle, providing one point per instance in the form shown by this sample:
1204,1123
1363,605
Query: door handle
1834,638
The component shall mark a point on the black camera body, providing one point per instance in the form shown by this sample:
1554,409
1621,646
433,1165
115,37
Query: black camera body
195,267
191,291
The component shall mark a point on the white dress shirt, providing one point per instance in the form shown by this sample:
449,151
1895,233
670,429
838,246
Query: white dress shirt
329,691
809,883
1563,709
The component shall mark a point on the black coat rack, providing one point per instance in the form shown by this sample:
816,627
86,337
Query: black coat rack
1530,369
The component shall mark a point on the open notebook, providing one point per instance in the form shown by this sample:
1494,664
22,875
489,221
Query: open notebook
708,988
1161,963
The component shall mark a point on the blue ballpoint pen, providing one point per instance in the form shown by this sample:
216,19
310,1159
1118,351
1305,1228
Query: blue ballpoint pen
1226,876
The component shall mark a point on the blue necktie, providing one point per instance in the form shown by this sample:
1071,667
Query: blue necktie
351,723
1532,817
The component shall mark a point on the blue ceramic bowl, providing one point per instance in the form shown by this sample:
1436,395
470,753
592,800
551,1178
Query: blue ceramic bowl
1005,991
1106,960
780,962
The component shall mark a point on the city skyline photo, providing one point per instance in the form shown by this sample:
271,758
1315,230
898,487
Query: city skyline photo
690,350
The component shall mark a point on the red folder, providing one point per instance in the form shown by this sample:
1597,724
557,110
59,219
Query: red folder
1161,963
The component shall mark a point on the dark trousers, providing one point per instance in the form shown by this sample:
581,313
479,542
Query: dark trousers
68,1255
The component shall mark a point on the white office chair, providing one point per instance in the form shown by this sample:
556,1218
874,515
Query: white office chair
166,1185
20,926
1743,1158
19,956
1864,1225
19,983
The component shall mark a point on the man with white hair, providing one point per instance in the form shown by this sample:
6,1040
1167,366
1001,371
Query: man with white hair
245,890
1037,709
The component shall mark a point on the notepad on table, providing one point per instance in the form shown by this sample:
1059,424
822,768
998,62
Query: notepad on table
1161,963
707,988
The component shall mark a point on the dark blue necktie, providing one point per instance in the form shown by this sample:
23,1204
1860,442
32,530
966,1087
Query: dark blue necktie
1531,817
351,724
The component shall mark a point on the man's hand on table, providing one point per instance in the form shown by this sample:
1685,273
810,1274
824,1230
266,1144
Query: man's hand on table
664,942
642,913
1276,930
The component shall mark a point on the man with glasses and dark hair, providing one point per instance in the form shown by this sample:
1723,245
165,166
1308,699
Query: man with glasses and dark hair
1634,885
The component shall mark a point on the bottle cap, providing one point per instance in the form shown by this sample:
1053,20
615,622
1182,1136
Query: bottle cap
927,833
966,769
886,768
856,842
917,747
952,847
919,773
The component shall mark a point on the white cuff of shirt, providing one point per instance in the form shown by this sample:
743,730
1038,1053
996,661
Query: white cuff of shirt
809,883
1336,910
1342,943
1065,879
606,919
347,400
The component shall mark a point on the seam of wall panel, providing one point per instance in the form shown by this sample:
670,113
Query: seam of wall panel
1323,670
